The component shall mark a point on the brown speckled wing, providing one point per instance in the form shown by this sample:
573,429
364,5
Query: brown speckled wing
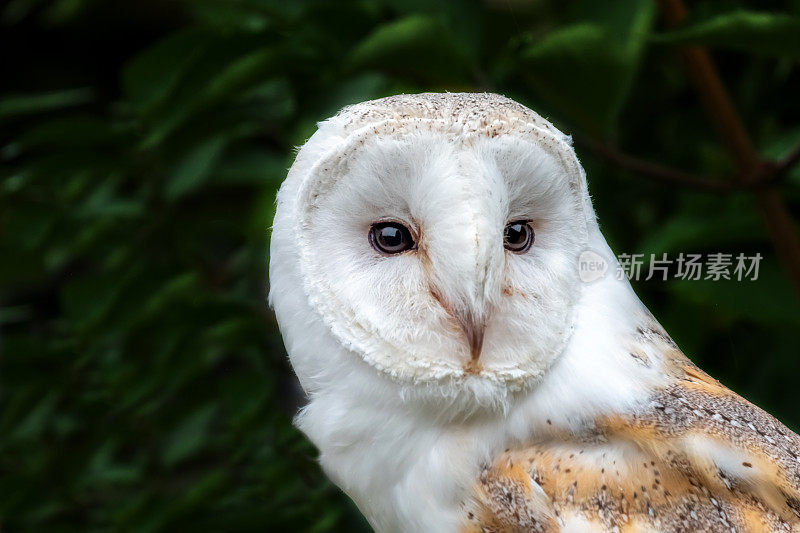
698,458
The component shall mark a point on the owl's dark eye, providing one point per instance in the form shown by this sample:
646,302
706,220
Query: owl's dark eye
390,238
518,236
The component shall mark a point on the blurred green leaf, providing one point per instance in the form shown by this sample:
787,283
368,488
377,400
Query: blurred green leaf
241,15
771,34
194,168
780,144
205,86
590,55
252,167
34,423
104,468
416,44
188,437
154,74
695,228
271,100
26,104
64,11
71,131
241,73
86,300
770,299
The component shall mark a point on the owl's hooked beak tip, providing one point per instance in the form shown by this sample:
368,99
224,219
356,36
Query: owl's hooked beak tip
473,327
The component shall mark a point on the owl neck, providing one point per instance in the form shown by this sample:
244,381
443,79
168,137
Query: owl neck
615,357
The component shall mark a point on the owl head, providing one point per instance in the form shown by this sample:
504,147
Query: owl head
432,238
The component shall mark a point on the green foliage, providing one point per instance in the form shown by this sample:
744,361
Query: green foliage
415,44
144,383
771,34
12,106
602,52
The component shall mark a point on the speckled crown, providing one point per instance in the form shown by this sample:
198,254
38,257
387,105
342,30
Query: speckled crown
484,112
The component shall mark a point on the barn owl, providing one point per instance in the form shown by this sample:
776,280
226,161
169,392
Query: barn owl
460,375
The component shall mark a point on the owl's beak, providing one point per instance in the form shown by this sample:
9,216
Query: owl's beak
464,268
474,329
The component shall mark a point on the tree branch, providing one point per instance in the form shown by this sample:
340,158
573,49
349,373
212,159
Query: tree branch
783,166
766,174
730,128
652,170
773,172
712,92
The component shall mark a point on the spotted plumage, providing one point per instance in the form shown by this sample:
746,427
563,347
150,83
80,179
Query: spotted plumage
696,457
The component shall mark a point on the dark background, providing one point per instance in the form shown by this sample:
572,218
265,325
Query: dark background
143,382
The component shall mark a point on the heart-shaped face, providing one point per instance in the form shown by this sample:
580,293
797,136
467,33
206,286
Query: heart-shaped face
437,247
